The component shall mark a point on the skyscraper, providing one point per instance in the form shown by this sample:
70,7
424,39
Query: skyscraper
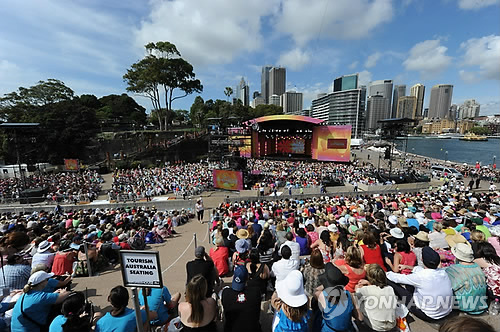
346,82
243,92
469,109
399,91
342,108
383,88
264,83
418,91
440,102
291,102
407,107
277,81
375,111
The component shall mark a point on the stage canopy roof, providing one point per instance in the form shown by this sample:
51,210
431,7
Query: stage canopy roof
285,117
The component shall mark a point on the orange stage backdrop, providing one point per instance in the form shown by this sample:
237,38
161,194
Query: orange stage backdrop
331,143
71,165
229,180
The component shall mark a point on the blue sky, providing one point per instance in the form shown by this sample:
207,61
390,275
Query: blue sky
89,44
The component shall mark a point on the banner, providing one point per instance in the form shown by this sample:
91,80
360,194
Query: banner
229,180
332,143
71,165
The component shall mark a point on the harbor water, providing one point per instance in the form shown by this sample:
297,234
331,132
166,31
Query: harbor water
453,149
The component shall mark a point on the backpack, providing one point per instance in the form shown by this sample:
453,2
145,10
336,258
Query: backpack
137,243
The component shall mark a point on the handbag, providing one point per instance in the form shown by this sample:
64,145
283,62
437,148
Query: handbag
401,322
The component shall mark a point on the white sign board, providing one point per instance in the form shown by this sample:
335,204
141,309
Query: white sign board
141,268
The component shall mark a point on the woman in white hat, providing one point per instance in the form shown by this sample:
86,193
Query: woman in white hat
291,304
32,309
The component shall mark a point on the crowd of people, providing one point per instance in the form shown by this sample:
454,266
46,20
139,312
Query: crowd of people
333,262
66,187
41,252
186,179
324,264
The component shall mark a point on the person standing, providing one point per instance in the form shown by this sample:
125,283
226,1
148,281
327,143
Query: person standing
199,209
241,304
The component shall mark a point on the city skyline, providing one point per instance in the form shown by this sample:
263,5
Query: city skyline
89,45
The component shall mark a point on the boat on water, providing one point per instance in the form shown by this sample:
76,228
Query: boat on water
443,136
473,137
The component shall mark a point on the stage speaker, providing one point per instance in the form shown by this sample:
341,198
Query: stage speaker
387,153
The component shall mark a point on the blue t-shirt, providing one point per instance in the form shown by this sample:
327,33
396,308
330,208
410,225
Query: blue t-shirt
51,286
57,323
337,316
156,303
37,306
281,323
123,323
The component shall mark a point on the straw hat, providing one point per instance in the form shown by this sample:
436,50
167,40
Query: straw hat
463,252
422,236
242,234
453,240
44,246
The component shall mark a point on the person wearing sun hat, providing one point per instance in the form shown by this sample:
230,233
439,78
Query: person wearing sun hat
336,307
35,303
241,304
468,281
291,304
432,295
44,254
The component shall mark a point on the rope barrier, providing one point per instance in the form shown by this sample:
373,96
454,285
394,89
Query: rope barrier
185,250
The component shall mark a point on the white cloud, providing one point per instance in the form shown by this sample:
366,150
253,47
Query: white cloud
364,77
306,20
484,54
294,59
429,58
353,65
476,4
206,32
371,61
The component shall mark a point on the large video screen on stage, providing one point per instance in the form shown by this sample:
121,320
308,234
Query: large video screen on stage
331,143
229,180
291,145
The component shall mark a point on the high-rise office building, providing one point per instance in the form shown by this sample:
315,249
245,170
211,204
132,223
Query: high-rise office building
418,91
291,102
277,81
469,109
264,83
399,91
346,82
383,88
243,92
342,108
439,105
274,100
376,108
407,107
258,100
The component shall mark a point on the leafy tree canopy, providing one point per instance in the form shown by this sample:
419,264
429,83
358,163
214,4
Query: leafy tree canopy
163,77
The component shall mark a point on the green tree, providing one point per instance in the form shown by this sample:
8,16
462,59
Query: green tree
197,112
228,91
122,107
480,130
162,72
